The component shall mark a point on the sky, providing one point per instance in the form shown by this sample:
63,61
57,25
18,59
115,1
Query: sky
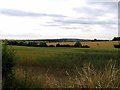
50,19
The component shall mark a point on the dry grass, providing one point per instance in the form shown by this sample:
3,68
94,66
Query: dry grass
87,77
103,44
107,78
61,43
97,44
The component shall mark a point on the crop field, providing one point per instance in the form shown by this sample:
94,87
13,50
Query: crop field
96,44
63,57
55,67
99,44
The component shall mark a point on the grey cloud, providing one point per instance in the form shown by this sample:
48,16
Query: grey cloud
84,21
104,7
11,12
119,11
85,29
51,25
79,21
110,5
92,15
71,27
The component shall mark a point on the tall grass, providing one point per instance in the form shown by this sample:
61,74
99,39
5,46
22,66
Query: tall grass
108,77
86,77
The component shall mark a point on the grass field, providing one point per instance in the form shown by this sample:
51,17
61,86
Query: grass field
58,67
63,57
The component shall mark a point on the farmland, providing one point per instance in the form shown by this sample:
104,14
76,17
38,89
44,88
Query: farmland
59,66
97,44
61,57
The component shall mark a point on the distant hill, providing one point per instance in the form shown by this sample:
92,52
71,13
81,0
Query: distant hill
65,40
60,40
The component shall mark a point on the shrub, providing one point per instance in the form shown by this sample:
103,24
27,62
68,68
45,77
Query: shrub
43,44
116,39
78,44
117,46
58,45
7,60
85,46
7,66
51,46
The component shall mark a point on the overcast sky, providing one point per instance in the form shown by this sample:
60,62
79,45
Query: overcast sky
44,19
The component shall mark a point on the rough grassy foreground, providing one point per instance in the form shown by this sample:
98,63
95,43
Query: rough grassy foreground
66,67
86,77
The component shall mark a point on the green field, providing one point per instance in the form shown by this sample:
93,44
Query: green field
63,57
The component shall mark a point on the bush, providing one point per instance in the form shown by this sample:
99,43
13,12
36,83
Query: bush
51,46
9,78
116,39
8,63
43,44
78,44
117,46
58,45
85,46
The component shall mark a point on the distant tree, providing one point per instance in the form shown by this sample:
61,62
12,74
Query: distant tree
78,44
21,43
85,46
51,46
116,39
58,45
5,41
95,40
31,44
43,44
67,45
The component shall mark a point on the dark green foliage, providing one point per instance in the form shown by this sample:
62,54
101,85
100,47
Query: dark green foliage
116,39
9,79
85,46
117,46
51,46
43,44
78,44
7,60
31,44
58,45
7,66
95,40
25,43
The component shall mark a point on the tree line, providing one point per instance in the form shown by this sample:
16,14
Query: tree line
41,44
